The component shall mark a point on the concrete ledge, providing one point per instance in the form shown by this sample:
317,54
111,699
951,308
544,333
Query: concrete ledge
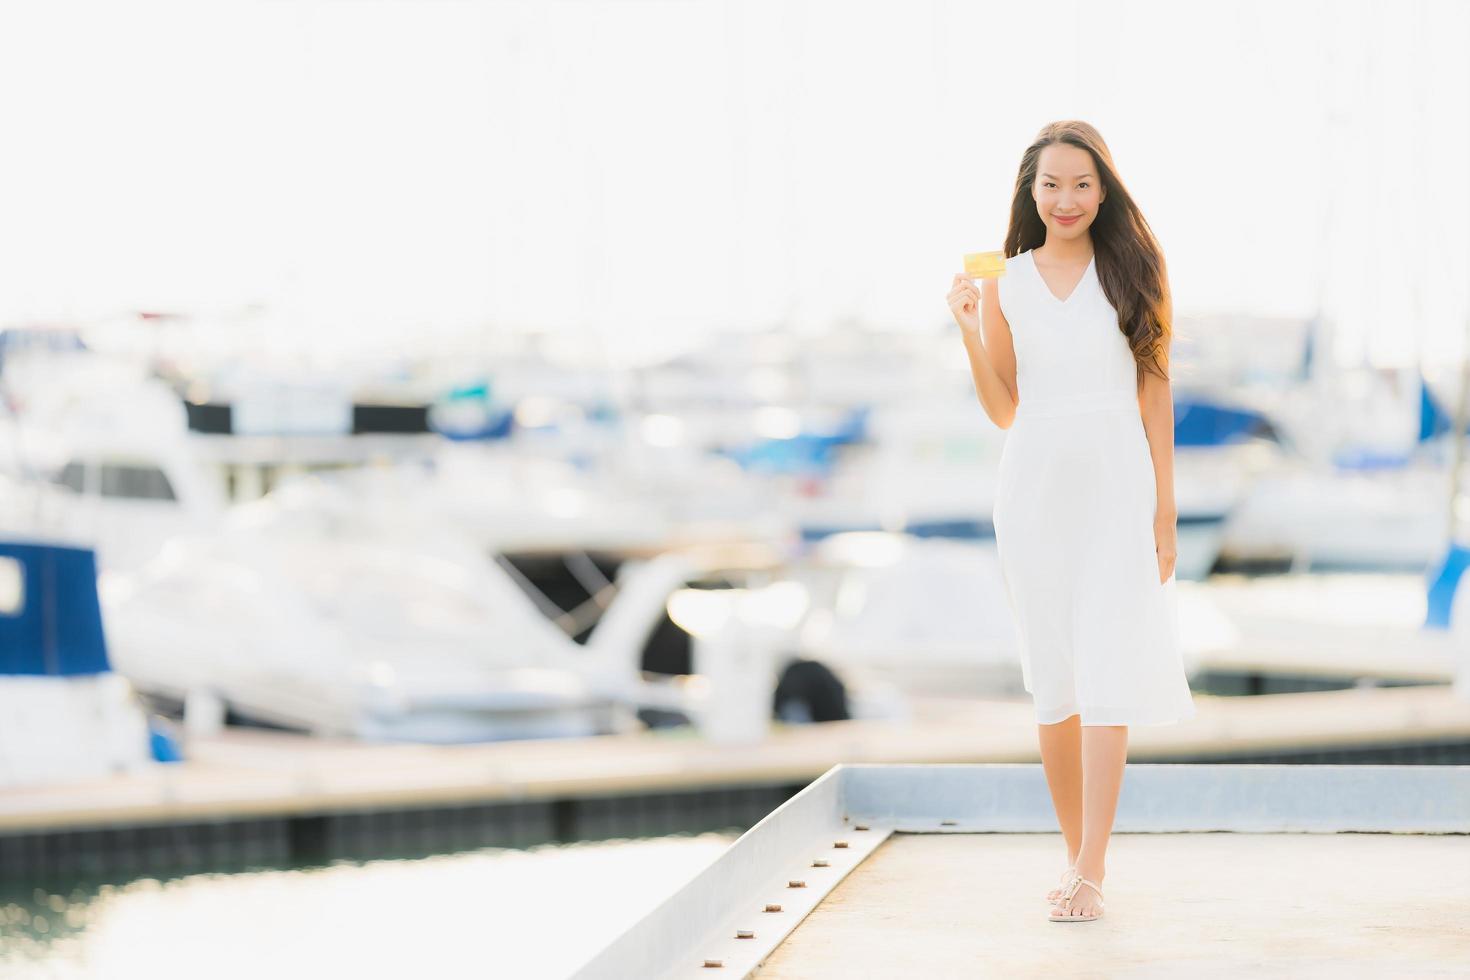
1172,797
739,909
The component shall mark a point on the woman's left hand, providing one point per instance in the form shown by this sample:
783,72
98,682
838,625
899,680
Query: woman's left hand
1166,545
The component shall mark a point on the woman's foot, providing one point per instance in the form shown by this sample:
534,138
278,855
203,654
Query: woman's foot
1086,901
1056,892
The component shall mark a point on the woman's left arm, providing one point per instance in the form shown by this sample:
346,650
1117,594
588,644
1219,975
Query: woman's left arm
1156,403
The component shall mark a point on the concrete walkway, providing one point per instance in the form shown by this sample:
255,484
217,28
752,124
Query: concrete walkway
1178,905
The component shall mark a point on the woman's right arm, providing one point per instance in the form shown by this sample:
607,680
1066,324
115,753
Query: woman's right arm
993,360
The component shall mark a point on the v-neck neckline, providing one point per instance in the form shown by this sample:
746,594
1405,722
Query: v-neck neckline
1078,285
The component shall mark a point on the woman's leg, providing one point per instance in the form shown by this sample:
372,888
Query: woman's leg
1061,760
1104,755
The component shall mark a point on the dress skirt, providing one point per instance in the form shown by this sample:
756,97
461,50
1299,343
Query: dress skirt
1098,633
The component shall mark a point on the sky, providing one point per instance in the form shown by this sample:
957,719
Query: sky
630,175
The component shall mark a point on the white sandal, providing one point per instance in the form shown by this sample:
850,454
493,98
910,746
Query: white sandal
1055,895
1077,882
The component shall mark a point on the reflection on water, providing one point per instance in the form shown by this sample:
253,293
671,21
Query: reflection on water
487,913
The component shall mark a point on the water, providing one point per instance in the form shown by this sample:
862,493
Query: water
487,913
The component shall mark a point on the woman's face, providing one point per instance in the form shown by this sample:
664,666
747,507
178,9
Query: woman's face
1066,184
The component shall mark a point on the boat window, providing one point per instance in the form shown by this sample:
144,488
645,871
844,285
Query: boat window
136,482
12,587
74,476
570,589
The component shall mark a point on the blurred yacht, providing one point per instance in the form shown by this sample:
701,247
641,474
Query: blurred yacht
327,609
1365,481
65,714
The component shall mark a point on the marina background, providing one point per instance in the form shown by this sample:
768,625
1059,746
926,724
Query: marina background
518,445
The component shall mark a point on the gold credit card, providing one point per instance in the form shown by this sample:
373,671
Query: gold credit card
985,265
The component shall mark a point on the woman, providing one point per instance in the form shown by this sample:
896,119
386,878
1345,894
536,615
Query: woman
1069,351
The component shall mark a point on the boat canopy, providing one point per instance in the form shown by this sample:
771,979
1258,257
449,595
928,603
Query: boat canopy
50,619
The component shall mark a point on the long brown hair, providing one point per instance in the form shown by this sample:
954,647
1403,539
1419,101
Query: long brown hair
1129,262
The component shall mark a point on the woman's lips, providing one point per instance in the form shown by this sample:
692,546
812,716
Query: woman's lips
1066,221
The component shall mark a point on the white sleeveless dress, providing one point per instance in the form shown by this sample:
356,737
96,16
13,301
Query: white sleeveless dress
1074,508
